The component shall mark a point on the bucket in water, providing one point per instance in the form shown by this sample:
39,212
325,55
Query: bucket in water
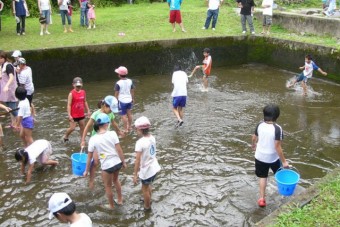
286,180
78,163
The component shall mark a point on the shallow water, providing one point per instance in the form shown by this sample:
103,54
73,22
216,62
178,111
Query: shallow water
207,176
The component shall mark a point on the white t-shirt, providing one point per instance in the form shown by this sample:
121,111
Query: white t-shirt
180,80
25,78
124,87
268,10
265,148
149,165
44,4
25,110
84,221
105,145
36,149
214,4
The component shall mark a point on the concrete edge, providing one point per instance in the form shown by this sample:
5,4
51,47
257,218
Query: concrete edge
299,200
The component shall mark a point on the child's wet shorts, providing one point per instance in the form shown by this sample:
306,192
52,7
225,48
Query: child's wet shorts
262,168
149,180
114,168
179,101
124,107
28,122
77,119
301,77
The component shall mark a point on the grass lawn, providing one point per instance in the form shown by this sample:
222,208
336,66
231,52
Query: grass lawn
139,22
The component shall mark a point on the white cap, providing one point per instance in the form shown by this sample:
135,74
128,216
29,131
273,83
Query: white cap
57,202
142,123
16,53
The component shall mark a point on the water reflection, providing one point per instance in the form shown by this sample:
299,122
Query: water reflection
207,177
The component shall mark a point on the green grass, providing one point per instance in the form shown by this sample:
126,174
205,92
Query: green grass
139,22
322,211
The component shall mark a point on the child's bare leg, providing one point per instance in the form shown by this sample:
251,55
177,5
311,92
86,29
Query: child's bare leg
93,169
304,86
263,185
146,189
173,27
27,136
125,122
182,27
51,162
205,82
129,116
70,129
107,179
118,187
81,124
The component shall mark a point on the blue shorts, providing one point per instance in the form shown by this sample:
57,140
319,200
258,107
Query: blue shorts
28,122
12,105
149,180
301,77
124,107
179,101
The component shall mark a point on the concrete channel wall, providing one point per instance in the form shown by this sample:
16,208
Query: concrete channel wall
52,67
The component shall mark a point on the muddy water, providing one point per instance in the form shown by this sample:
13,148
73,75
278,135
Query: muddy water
207,174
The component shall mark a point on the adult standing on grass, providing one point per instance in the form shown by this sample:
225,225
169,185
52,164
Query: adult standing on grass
267,6
45,11
20,11
213,10
8,85
64,13
266,142
175,14
83,13
247,9
179,93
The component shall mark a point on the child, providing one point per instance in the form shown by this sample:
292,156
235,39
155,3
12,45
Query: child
1,132
307,73
25,79
108,106
146,162
247,9
63,208
16,55
39,150
76,103
206,68
266,142
124,92
179,93
91,15
25,118
267,6
175,14
111,157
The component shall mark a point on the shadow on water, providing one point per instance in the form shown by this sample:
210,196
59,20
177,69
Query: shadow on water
208,172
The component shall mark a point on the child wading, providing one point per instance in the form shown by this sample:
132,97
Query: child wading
111,157
206,68
266,142
76,104
146,164
39,150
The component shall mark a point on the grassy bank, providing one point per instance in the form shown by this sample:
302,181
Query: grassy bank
322,211
139,22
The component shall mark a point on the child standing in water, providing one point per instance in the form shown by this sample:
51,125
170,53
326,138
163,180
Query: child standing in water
39,150
146,164
91,15
125,92
266,142
25,118
106,144
206,68
76,105
109,106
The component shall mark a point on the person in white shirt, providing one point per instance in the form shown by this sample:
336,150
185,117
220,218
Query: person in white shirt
267,6
63,208
45,11
146,164
111,157
39,150
213,10
179,93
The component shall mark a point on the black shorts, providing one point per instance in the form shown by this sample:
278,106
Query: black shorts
149,180
77,119
262,168
114,168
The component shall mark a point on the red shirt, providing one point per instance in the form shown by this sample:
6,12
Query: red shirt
78,103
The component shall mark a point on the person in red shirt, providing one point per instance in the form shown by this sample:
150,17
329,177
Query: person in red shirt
206,68
76,104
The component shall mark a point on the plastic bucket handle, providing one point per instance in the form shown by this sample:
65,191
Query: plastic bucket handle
290,167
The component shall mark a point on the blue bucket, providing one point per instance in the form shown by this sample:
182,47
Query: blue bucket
78,163
286,180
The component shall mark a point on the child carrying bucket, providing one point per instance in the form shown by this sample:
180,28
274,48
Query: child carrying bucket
109,106
106,144
266,142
